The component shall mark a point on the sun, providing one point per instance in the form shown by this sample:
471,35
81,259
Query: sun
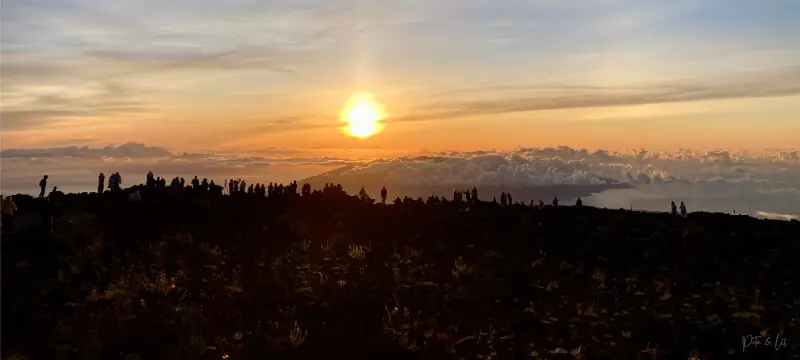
362,115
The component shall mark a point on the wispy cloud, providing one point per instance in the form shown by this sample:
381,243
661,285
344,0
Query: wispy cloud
532,98
53,107
179,61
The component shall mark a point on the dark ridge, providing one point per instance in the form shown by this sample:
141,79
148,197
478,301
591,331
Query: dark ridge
184,274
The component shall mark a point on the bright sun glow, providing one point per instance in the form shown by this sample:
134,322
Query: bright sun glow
362,115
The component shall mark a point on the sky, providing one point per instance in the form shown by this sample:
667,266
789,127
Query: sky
452,75
244,87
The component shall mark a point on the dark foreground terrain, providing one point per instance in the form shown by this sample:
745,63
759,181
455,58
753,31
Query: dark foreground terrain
182,276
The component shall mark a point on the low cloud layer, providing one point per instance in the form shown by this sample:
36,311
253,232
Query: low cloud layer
765,184
75,169
755,183
128,150
564,165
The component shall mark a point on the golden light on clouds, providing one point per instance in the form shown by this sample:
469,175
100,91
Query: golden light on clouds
362,115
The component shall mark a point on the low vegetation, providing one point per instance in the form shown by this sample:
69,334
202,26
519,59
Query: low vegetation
178,276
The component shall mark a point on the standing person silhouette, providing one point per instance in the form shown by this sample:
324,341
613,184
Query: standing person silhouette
383,195
101,183
8,210
42,186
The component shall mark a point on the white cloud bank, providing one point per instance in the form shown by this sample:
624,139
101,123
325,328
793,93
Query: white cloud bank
564,165
763,184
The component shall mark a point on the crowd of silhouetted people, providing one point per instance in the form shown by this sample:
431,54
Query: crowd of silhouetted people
51,208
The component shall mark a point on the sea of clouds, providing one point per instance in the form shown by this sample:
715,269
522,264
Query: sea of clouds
763,184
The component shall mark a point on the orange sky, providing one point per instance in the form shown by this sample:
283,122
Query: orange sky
592,74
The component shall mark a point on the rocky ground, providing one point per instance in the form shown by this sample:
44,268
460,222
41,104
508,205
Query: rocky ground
188,276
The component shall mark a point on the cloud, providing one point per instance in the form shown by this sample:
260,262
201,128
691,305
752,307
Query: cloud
128,150
39,107
721,180
75,168
74,62
788,191
774,216
784,82
21,119
564,165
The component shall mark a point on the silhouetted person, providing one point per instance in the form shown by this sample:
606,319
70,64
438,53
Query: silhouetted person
383,195
579,203
475,194
468,196
112,181
195,183
683,209
101,183
150,181
510,199
362,194
214,188
555,201
541,204
8,210
54,198
204,184
242,186
183,183
431,200
674,209
503,199
42,186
